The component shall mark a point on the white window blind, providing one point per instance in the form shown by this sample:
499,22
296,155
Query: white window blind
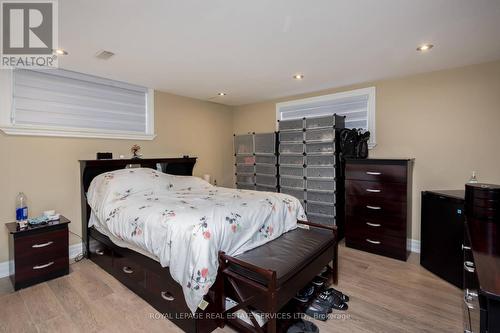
357,105
61,102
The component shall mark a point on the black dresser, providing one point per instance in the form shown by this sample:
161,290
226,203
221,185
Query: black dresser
481,264
442,234
378,205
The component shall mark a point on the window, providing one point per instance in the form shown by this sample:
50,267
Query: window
357,105
58,102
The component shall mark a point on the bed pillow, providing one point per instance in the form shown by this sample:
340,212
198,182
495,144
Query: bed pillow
187,183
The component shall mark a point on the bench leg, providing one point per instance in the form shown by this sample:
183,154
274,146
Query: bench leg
335,264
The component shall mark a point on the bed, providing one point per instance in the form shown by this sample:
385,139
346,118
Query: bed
126,219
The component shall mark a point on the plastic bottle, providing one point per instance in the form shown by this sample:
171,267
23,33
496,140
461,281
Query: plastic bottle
473,178
21,207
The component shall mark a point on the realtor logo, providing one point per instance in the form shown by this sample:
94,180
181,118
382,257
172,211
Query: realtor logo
29,34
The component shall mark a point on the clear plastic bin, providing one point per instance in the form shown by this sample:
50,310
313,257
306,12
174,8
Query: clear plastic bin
320,160
320,209
292,171
327,197
319,122
321,219
265,143
320,185
326,135
245,179
266,169
319,172
292,136
294,124
294,192
244,169
266,188
265,159
245,159
291,182
320,148
292,160
245,187
291,148
243,144
266,180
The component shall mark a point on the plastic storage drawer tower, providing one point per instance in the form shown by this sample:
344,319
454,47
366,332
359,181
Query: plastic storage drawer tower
308,164
256,162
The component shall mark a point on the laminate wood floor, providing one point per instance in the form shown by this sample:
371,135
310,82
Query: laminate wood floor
386,296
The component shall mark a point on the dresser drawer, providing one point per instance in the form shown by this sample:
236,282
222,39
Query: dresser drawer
375,208
45,245
129,271
376,241
376,172
376,190
377,227
41,268
100,253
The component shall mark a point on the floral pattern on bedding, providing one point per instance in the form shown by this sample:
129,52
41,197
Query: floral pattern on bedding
185,221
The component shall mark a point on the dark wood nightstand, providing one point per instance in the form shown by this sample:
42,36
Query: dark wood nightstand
38,253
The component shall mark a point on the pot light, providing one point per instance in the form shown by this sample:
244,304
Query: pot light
60,52
298,76
425,47
221,94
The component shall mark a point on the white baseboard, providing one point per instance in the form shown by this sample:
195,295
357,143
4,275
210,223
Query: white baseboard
414,245
74,250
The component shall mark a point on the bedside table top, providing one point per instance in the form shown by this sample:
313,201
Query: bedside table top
14,229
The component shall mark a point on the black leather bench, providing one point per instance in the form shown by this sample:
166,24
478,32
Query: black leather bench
268,277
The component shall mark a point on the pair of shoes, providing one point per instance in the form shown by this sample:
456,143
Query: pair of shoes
341,295
303,326
318,281
305,294
331,301
319,311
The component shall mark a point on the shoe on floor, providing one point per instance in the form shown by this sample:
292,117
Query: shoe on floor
305,293
332,301
303,326
340,294
318,311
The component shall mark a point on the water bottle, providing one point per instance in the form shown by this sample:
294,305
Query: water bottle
21,207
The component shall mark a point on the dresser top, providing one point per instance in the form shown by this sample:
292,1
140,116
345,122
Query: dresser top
454,194
14,229
401,160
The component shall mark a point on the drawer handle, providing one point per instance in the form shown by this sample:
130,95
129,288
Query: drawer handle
374,207
373,191
469,266
99,252
43,266
36,246
372,241
127,270
469,305
470,293
465,247
373,173
373,224
167,296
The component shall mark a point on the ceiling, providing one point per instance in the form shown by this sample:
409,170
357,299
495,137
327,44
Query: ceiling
251,48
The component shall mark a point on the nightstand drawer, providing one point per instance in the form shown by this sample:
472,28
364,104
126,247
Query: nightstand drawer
30,249
41,268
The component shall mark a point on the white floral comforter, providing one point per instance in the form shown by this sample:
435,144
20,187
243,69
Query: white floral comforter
185,221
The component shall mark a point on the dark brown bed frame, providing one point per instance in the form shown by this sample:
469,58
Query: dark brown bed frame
145,277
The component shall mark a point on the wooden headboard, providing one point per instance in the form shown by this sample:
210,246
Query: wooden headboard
89,169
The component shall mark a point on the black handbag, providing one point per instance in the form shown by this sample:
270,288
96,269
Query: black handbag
354,143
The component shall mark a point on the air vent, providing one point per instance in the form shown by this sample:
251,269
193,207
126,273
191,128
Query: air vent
104,55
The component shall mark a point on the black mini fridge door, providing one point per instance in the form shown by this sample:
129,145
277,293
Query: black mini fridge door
442,225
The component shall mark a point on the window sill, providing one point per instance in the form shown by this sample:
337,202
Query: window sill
29,131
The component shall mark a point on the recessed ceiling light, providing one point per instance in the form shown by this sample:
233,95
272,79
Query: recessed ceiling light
60,52
298,76
425,47
222,94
